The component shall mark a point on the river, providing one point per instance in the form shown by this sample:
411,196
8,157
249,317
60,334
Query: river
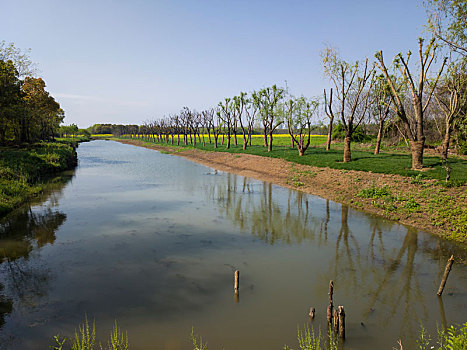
152,240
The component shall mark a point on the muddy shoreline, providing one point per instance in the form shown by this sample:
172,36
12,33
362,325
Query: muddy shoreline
341,186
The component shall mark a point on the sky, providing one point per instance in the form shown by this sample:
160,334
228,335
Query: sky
130,61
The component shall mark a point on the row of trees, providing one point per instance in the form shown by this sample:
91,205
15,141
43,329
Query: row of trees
406,93
28,113
362,92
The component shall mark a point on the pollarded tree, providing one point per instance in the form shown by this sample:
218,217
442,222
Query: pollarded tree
208,121
413,120
269,100
352,83
299,113
227,115
240,103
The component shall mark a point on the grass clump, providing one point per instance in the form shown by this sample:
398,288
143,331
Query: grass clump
375,192
452,338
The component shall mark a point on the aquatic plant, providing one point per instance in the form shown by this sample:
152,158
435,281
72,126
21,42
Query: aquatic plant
85,339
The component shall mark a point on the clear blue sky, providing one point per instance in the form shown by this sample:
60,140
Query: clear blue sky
115,61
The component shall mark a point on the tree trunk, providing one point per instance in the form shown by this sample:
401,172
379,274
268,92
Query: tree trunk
270,143
378,138
328,143
347,157
265,138
417,154
228,140
445,144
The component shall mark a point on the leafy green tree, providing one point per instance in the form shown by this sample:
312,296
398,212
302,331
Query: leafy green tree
10,98
43,114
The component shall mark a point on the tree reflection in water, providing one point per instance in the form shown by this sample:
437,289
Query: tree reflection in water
367,263
23,281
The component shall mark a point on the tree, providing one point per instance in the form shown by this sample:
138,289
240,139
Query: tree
381,96
352,85
299,112
269,100
21,61
240,103
447,20
451,98
330,115
227,115
42,115
10,98
413,121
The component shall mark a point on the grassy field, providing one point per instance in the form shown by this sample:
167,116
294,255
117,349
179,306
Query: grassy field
362,158
23,168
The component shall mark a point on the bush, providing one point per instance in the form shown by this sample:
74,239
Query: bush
357,136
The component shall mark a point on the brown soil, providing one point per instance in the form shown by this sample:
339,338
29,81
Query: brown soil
340,186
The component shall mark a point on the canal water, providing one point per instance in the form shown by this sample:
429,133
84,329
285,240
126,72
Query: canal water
152,241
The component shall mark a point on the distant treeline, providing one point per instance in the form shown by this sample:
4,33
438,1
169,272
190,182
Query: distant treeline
28,113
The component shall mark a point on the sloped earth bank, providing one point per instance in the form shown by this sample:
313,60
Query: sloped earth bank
419,203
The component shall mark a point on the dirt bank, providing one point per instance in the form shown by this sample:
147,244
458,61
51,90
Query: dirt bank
419,203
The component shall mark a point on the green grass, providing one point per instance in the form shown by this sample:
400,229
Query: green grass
23,169
386,163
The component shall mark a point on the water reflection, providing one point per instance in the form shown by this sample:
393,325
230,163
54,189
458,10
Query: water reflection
27,229
386,272
251,206
153,240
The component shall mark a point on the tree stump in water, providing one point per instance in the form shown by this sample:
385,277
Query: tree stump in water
341,314
330,307
336,321
312,313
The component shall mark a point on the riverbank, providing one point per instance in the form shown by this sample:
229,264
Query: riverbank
23,170
421,203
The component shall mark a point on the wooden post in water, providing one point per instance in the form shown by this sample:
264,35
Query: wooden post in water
236,285
341,314
330,307
445,275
